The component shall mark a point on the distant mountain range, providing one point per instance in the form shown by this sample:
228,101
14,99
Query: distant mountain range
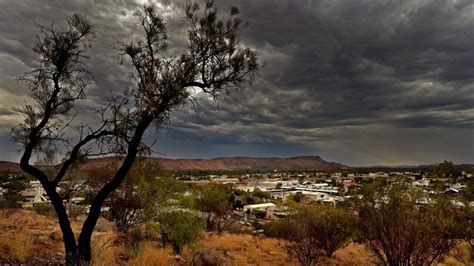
243,164
299,163
236,163
9,167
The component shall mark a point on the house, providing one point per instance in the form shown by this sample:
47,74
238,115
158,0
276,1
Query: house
451,190
421,183
245,188
35,194
260,206
269,209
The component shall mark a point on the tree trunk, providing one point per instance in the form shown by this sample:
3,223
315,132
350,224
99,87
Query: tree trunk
65,225
84,241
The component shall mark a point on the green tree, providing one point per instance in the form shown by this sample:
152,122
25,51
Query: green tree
314,231
136,201
180,228
13,184
399,232
444,169
259,213
297,197
214,205
261,194
336,227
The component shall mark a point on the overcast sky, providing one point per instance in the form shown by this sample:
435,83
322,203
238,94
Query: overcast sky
358,82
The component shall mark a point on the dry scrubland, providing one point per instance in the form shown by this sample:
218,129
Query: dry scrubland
27,237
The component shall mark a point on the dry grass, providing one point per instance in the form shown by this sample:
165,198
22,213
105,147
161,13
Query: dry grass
245,249
103,249
152,255
25,234
26,237
459,256
352,254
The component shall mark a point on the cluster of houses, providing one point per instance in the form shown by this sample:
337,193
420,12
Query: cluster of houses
34,194
324,188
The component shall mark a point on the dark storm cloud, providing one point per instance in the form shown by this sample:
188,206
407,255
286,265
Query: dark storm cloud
346,79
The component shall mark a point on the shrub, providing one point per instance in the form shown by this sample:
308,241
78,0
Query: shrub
259,213
44,209
215,206
257,225
313,231
180,228
297,197
74,211
126,212
132,242
399,232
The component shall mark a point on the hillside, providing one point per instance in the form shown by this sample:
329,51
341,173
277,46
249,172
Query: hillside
9,167
219,164
236,163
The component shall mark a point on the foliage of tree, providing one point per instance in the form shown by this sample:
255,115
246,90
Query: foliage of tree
238,204
468,192
314,231
297,197
180,228
141,196
261,194
465,225
259,213
213,202
44,209
127,211
302,239
444,169
212,63
399,232
337,228
13,184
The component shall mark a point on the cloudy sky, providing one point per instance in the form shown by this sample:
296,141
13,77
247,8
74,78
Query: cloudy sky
362,82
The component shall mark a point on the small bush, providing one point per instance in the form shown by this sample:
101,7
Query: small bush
313,231
257,225
75,211
44,209
180,228
132,242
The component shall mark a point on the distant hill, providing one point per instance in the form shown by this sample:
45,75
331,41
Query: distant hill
299,163
423,167
243,164
236,163
9,167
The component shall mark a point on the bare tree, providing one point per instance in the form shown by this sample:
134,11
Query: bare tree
213,62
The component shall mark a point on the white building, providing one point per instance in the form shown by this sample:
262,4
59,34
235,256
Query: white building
34,194
262,206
